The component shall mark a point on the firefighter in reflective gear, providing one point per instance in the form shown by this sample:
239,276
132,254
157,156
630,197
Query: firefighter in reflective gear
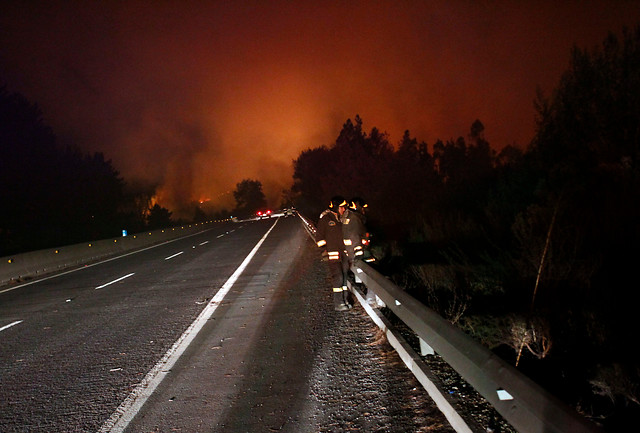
356,239
329,237
354,229
359,207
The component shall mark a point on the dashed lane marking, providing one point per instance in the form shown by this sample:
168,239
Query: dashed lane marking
123,415
175,255
115,281
10,325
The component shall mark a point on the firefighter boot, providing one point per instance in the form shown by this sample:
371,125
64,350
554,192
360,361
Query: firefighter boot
346,297
338,300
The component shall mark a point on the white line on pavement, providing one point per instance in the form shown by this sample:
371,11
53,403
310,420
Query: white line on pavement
115,281
10,325
204,243
100,262
175,255
132,404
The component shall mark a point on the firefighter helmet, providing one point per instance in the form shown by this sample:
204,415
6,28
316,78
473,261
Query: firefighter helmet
357,203
336,202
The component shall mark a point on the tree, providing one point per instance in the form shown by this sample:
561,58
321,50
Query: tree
138,196
93,195
591,120
357,164
249,197
57,195
309,178
414,182
586,155
199,216
28,158
158,218
587,152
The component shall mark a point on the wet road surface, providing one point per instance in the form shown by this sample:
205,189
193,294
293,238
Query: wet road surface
274,356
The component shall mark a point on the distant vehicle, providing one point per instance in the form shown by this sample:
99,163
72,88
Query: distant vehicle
264,213
289,211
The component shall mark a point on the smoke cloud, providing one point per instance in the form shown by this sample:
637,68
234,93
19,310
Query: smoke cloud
196,96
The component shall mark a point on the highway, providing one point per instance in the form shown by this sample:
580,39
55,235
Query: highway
227,330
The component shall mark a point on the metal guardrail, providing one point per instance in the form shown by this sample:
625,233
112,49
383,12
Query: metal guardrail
523,403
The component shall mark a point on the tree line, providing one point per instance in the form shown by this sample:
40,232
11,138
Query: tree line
531,251
54,195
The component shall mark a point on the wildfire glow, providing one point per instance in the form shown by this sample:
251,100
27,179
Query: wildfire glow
197,96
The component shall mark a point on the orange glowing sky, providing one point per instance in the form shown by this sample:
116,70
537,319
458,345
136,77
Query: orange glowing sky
199,95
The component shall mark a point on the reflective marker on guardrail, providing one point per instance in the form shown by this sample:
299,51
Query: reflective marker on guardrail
526,406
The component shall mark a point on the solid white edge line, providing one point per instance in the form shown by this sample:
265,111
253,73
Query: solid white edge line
413,362
115,281
175,255
123,415
10,325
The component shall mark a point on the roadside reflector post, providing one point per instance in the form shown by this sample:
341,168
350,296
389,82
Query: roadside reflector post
425,349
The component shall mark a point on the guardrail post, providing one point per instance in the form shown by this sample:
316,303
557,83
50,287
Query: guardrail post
523,403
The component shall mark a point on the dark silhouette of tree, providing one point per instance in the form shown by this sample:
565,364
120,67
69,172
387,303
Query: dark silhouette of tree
134,209
466,168
159,217
52,196
199,215
357,164
249,197
587,147
27,172
479,154
590,120
413,181
586,155
451,158
93,193
310,190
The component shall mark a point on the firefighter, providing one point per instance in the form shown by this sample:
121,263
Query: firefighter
354,229
356,239
359,207
329,237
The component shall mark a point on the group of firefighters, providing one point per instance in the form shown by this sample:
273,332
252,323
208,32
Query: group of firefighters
342,233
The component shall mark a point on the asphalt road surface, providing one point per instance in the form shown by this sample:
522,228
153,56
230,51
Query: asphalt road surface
194,336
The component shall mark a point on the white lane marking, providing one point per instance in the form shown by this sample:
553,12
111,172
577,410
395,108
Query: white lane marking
123,415
203,243
101,262
10,325
175,255
219,236
115,281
